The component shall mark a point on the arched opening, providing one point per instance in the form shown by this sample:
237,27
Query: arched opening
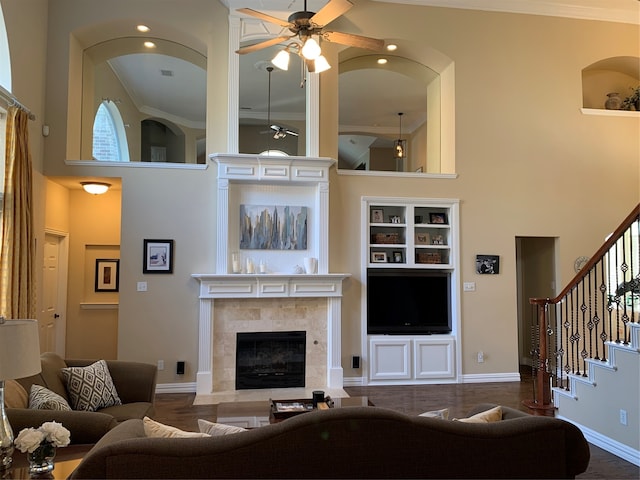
109,136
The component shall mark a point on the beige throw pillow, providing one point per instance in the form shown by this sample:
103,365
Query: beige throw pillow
15,396
160,430
488,416
218,429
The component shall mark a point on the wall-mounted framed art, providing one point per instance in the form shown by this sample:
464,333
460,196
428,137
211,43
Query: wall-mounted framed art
158,256
107,275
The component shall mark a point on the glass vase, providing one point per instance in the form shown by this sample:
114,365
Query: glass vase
41,459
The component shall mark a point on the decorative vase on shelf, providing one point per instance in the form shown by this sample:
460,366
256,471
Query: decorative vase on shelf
613,101
41,459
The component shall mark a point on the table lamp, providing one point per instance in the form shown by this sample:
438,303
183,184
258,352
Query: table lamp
19,357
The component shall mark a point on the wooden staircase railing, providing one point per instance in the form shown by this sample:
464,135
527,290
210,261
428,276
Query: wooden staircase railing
593,309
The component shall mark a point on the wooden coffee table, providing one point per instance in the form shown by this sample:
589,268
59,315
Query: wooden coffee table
256,413
66,460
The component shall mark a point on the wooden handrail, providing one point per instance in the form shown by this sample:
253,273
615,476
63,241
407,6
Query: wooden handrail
541,404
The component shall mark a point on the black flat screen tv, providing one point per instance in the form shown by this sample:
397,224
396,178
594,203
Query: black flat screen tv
408,301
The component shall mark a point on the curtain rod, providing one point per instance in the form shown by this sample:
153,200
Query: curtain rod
12,101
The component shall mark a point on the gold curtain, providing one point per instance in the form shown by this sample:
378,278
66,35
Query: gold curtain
17,255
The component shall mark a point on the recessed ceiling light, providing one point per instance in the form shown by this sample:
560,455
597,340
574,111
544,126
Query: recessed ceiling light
149,44
143,28
391,47
382,61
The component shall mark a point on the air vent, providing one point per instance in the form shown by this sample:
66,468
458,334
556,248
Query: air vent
166,73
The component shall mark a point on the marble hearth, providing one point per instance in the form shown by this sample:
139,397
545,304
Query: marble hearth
278,300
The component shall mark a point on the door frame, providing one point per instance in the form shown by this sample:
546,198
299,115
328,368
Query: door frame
61,300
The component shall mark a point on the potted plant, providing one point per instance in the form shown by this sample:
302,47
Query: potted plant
632,102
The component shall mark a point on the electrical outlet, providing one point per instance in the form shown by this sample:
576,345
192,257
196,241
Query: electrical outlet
623,417
480,357
160,364
142,286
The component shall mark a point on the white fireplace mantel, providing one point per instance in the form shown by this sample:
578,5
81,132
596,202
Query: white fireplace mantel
265,180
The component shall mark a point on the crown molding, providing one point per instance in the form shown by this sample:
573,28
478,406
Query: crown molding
619,11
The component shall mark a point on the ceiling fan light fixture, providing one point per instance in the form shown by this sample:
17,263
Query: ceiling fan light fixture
311,49
321,64
281,60
95,188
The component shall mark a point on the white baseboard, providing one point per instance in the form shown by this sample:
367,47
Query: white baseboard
610,445
176,387
490,377
353,381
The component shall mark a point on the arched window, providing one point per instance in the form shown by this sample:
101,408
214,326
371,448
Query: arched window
109,137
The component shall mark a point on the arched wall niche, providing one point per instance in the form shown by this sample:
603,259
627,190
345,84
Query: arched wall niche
609,75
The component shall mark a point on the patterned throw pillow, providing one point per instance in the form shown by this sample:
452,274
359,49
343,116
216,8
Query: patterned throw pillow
442,414
218,429
90,388
41,398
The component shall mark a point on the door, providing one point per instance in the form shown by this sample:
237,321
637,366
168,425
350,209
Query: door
535,264
53,318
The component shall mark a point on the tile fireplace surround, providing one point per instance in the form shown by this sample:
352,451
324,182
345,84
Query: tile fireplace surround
279,299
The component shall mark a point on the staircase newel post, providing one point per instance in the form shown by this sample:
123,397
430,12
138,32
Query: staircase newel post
541,404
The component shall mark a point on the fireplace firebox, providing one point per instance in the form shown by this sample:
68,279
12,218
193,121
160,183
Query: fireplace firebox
270,360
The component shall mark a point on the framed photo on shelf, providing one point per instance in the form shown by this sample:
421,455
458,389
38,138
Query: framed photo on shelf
438,218
422,238
158,256
377,215
378,257
107,274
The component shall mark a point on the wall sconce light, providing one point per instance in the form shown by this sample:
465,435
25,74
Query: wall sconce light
400,145
95,188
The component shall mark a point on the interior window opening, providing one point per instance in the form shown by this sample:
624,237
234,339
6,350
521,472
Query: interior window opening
109,137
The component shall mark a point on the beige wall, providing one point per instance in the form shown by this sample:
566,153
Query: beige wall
528,162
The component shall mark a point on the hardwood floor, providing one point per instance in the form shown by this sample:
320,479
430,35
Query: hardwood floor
177,409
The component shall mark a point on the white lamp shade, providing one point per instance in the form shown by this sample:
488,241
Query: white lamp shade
322,64
19,349
281,60
310,49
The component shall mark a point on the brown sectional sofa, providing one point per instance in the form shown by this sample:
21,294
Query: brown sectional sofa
134,382
352,442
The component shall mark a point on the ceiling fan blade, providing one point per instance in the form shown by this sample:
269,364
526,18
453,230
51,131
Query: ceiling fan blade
265,17
353,40
261,45
330,12
291,132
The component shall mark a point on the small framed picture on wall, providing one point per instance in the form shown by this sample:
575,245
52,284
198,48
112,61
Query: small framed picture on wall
158,256
487,264
107,275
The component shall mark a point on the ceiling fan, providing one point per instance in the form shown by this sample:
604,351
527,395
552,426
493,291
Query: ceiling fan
304,25
280,132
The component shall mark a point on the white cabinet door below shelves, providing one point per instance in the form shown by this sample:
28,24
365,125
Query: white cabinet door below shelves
390,359
434,357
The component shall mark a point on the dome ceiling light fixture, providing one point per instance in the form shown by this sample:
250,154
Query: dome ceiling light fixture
95,188
308,30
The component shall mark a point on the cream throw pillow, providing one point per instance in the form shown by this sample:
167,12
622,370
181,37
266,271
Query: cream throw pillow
160,430
218,429
15,396
443,414
488,416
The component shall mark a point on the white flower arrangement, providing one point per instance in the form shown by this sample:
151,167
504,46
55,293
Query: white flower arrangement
52,433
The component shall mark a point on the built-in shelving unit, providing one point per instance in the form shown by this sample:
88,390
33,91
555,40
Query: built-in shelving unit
413,234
